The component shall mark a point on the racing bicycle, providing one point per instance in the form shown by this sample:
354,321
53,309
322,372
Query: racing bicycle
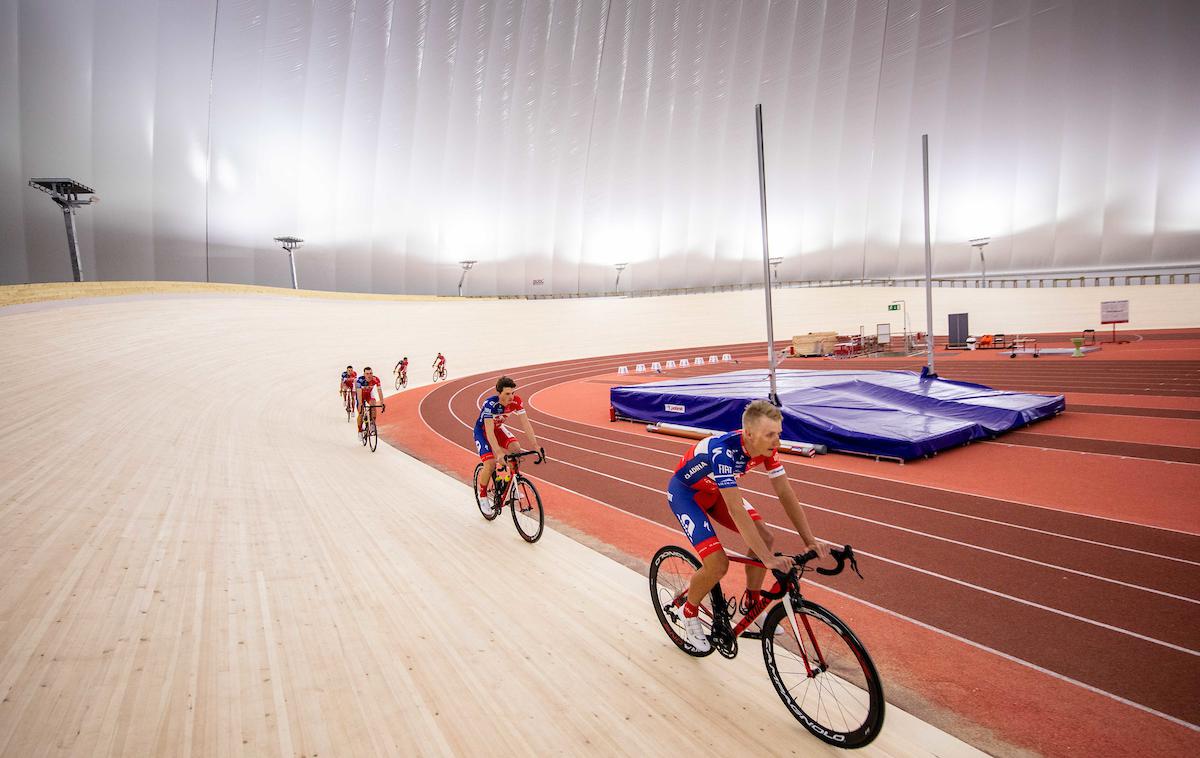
369,433
517,493
817,665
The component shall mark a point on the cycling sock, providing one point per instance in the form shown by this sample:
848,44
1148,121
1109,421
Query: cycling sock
691,611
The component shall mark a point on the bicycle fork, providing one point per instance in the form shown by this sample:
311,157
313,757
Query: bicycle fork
814,661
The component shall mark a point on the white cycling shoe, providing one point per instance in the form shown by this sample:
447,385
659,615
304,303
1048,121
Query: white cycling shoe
693,632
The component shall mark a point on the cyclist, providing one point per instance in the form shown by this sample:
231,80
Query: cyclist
401,370
704,489
347,382
366,385
439,363
492,437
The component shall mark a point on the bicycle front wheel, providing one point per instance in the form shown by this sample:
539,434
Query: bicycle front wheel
397,382
487,506
527,513
373,436
671,571
823,674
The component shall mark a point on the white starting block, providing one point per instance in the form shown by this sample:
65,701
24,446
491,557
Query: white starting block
683,363
640,368
622,369
670,364
699,360
712,359
655,366
726,358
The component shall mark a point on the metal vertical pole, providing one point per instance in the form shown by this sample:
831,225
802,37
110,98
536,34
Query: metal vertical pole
292,260
928,259
72,242
762,195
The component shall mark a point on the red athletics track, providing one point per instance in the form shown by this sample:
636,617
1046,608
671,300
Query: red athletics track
997,615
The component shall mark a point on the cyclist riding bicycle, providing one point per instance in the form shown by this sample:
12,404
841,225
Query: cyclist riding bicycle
401,369
704,489
439,362
365,386
491,434
346,384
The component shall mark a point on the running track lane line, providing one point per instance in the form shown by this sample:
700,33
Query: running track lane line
892,613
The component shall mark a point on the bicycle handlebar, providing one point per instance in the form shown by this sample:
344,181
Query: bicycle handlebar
842,555
515,456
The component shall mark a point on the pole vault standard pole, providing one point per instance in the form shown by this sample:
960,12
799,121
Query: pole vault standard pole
762,196
928,260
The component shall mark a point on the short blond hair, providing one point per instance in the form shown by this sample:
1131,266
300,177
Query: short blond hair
760,409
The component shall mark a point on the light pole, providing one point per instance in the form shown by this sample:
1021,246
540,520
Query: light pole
619,267
290,246
762,204
979,243
775,268
65,193
466,266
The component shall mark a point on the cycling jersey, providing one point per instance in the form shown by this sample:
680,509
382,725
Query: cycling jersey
366,384
348,378
717,462
713,464
499,414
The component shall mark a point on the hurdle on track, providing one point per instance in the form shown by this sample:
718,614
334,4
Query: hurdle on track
640,368
622,369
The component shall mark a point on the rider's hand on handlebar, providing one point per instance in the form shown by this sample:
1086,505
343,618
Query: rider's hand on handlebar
781,563
821,549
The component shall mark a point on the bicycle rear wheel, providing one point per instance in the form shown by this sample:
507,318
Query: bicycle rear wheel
372,436
486,505
527,513
825,677
671,571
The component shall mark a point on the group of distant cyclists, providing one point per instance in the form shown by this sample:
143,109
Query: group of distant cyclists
359,391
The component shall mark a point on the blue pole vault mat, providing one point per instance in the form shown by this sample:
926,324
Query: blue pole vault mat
896,414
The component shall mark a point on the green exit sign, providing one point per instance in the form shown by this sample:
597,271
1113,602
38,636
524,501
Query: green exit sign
894,307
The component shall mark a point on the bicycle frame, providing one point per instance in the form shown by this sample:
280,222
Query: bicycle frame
787,588
514,470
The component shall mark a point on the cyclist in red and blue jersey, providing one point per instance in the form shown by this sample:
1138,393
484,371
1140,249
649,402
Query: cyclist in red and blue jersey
704,489
346,384
493,438
364,387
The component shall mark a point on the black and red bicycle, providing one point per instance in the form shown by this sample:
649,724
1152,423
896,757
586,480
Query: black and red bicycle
368,433
516,492
817,665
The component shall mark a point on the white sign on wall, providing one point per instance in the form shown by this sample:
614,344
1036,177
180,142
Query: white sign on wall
1114,312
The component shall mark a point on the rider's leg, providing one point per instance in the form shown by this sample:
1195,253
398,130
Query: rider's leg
756,574
712,569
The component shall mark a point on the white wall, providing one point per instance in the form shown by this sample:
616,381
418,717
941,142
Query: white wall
551,138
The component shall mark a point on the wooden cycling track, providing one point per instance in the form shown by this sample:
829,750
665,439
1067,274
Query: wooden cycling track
1100,614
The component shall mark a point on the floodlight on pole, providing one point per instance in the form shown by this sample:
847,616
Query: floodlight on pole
290,246
775,268
979,243
66,194
466,266
619,267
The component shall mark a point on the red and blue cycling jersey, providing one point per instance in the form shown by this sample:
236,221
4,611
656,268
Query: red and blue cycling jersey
499,413
366,385
716,463
694,492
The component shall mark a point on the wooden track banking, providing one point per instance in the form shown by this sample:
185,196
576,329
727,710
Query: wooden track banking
1109,605
198,559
